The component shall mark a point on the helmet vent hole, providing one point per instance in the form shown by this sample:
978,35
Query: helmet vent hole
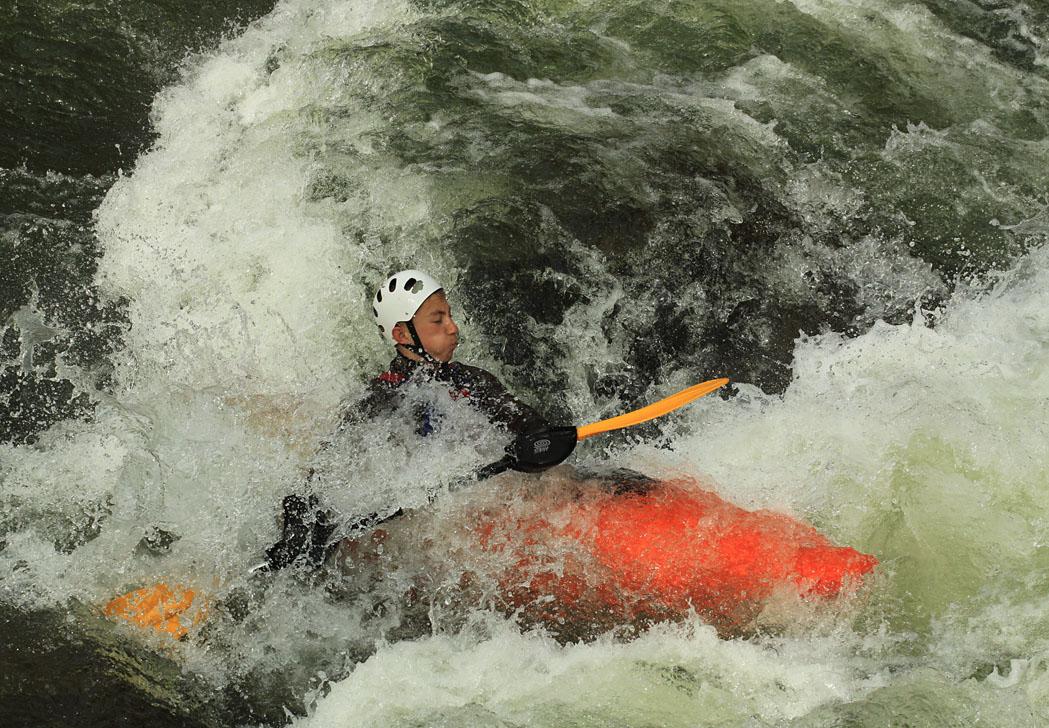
409,285
375,312
393,285
378,297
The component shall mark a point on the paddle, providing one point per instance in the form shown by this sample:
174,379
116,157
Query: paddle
652,411
541,450
163,608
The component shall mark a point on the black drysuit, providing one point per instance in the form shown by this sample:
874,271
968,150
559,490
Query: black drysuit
308,529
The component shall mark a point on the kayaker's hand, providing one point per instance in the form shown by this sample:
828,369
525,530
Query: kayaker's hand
538,451
304,536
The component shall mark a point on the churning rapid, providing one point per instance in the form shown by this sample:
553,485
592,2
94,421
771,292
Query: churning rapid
841,206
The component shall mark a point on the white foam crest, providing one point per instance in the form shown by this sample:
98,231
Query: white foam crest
29,565
676,676
544,99
231,273
218,291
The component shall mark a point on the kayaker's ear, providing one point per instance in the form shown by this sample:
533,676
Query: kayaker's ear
401,336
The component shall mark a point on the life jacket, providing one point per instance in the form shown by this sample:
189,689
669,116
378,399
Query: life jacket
459,388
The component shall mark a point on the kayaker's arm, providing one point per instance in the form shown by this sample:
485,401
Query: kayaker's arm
502,408
485,392
310,533
381,396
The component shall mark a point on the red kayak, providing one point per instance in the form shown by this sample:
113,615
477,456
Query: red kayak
578,555
581,556
645,551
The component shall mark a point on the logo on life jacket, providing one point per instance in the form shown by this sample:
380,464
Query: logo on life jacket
392,378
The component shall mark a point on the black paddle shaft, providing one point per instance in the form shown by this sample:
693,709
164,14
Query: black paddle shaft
530,454
308,529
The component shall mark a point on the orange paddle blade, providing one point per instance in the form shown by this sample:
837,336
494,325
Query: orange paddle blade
652,411
158,607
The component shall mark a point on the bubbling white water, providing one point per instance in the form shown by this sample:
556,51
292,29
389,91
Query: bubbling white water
677,676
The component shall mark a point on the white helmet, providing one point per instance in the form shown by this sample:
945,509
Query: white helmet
400,297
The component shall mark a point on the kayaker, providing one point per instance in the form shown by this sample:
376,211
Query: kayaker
413,314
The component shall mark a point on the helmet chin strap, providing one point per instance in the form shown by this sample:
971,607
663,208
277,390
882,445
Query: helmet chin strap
442,370
416,347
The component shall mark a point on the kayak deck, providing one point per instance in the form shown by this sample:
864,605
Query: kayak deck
656,551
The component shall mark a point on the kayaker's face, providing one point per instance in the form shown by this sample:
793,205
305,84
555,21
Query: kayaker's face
437,331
